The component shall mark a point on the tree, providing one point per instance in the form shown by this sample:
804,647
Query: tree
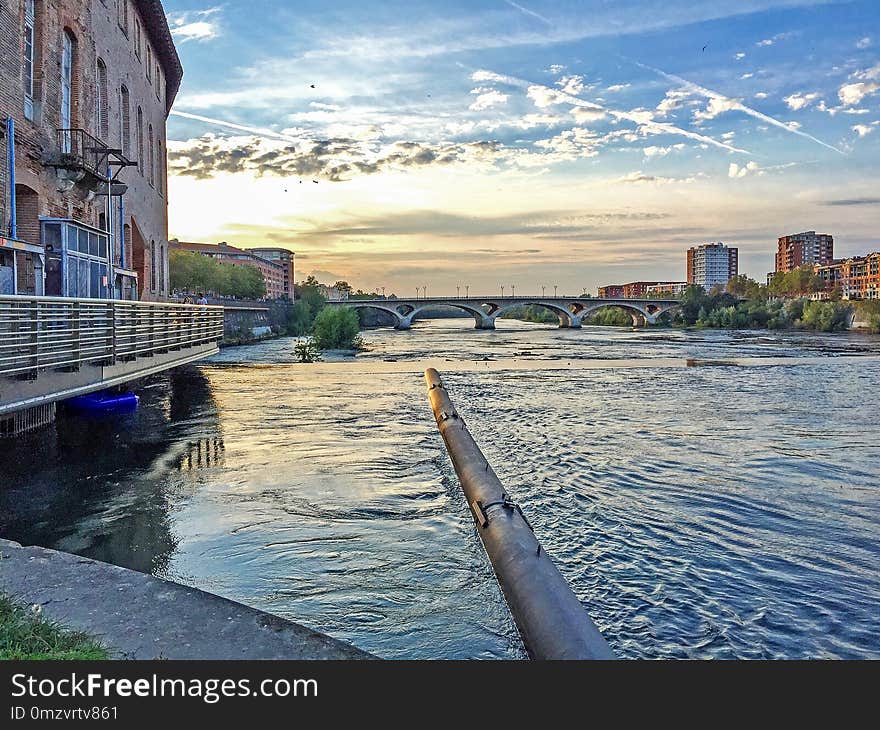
746,288
337,328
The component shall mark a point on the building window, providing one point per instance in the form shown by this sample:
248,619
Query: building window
29,41
140,140
152,265
102,102
67,62
124,121
151,168
122,15
161,264
149,63
137,38
160,159
158,81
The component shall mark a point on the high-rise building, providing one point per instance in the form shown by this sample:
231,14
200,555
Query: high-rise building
804,248
712,264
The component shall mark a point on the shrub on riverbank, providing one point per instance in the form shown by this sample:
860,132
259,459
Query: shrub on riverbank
532,313
610,317
337,328
26,634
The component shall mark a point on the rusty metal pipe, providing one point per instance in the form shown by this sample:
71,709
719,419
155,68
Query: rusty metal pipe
551,620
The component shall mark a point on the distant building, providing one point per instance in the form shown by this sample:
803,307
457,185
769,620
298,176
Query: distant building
804,248
85,89
712,264
287,259
273,271
611,291
632,290
857,277
332,294
667,289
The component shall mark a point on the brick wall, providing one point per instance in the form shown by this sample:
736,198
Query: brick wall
95,25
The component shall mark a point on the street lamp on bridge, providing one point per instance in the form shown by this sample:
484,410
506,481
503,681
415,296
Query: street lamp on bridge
543,291
383,292
555,287
467,291
458,292
502,291
513,290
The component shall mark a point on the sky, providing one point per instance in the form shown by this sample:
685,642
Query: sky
578,143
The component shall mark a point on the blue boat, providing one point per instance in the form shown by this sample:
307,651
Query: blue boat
103,402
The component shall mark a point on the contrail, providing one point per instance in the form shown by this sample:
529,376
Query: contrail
260,132
734,104
528,12
649,124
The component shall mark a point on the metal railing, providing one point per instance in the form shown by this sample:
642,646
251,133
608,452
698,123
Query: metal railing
47,333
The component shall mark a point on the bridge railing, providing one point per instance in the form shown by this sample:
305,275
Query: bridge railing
46,333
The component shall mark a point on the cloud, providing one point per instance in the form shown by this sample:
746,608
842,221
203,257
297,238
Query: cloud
335,160
740,56
851,94
642,118
719,103
866,84
195,25
258,131
583,115
863,43
737,171
674,99
655,151
799,101
487,98
761,95
863,130
572,84
853,201
778,37
530,13
617,87
640,177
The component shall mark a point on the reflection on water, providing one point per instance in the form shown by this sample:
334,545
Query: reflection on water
697,509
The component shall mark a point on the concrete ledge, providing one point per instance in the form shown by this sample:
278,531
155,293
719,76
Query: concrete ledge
139,616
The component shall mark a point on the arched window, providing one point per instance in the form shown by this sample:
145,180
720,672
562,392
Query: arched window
152,265
124,121
160,163
30,38
151,157
68,60
140,139
102,102
161,265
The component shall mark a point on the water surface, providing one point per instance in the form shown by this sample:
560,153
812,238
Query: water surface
706,494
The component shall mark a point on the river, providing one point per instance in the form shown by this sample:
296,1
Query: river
706,494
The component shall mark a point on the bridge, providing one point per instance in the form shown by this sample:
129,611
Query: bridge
52,349
571,311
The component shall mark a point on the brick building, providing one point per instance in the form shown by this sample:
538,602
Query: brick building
611,291
273,272
856,278
87,85
803,248
287,259
667,289
712,264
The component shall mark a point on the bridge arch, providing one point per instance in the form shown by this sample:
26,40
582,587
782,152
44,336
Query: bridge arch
566,317
399,318
481,318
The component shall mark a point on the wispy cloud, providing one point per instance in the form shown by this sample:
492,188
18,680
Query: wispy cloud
719,103
195,25
257,131
643,119
528,12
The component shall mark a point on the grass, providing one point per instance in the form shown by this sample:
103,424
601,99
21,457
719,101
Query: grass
25,634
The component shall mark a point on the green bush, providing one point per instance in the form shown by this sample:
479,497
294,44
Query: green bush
610,317
825,316
307,351
337,328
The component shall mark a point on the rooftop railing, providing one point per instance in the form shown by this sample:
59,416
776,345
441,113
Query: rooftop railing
45,333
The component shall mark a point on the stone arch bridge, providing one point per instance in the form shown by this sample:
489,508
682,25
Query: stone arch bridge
485,310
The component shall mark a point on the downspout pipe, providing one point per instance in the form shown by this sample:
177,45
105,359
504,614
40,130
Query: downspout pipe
10,146
551,620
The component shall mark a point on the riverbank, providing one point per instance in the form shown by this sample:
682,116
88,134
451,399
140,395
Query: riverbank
138,616
25,634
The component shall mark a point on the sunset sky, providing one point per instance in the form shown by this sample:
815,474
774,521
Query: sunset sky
403,144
